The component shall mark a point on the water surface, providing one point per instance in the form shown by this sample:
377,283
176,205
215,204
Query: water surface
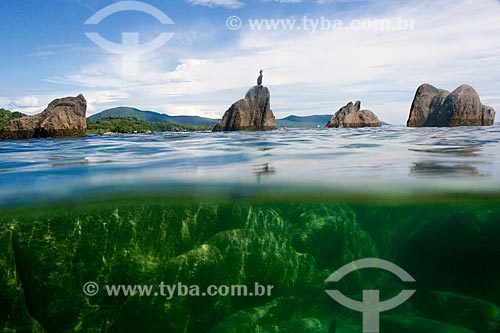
391,158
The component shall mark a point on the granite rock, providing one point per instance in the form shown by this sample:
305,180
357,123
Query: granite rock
63,117
433,107
253,113
351,116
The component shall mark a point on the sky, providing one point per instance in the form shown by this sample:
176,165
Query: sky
317,55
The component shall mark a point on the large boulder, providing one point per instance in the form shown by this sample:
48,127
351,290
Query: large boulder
433,107
351,116
63,117
467,109
253,113
426,101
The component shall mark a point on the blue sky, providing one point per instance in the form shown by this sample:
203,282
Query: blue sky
205,67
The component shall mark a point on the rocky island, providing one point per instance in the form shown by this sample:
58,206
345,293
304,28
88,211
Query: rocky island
433,107
351,116
253,113
63,118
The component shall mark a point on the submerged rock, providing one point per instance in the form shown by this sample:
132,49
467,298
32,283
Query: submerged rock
322,233
253,113
55,254
282,315
433,107
14,312
251,319
351,116
450,250
463,310
63,117
415,324
47,255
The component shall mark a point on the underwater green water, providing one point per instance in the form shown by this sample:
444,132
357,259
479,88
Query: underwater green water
448,244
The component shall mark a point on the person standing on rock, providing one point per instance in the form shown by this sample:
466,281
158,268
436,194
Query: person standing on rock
259,80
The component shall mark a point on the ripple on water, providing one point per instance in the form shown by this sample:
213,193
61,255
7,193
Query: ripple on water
369,158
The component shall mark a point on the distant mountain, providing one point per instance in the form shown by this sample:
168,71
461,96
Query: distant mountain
304,122
155,117
151,116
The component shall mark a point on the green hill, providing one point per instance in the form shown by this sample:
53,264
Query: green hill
6,116
134,125
151,116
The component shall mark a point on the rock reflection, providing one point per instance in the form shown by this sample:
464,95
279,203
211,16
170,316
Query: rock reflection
440,169
451,150
264,169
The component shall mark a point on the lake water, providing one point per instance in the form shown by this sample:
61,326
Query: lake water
284,208
375,160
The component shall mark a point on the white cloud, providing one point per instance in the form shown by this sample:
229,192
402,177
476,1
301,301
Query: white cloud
27,101
26,104
96,100
232,4
188,110
454,42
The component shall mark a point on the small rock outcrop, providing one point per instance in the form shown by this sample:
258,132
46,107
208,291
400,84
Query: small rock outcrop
253,113
433,107
351,116
63,117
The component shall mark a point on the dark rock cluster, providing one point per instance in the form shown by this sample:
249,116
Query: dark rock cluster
433,107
